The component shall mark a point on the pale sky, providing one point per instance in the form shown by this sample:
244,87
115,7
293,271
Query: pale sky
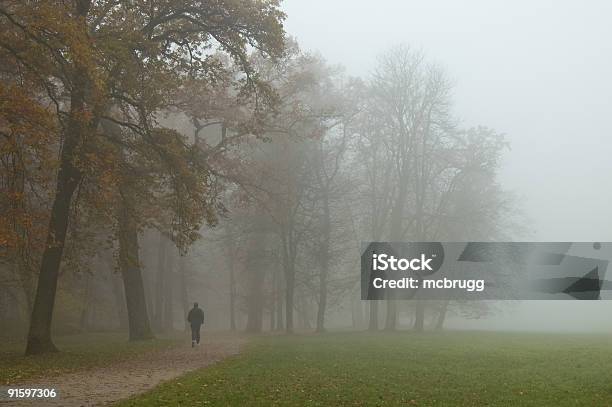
538,71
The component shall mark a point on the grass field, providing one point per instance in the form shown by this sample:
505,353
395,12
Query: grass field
445,369
77,352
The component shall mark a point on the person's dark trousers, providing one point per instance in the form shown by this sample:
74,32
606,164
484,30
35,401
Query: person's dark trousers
195,333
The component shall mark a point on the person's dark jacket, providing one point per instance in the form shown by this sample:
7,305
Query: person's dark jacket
196,317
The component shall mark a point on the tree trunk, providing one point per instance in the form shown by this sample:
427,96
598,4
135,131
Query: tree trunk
169,291
324,260
184,293
304,313
255,279
149,284
232,300
159,283
442,316
129,264
419,316
288,259
273,303
68,177
120,306
232,290
373,324
86,312
322,302
39,336
289,292
391,318
396,235
279,302
356,311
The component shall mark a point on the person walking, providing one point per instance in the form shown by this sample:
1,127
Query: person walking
196,320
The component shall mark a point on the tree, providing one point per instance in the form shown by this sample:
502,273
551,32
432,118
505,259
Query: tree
409,102
331,230
26,161
276,175
418,166
474,207
374,167
89,57
129,263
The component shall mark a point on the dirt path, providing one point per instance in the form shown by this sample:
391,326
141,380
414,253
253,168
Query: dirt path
108,384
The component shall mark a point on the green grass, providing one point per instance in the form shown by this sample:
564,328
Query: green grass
446,369
77,352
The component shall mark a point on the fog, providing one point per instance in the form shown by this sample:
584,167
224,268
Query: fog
243,169
290,202
537,71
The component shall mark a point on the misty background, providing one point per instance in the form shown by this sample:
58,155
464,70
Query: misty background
536,71
246,176
187,182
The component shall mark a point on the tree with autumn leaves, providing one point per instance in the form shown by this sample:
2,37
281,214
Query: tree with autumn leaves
85,67
122,121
